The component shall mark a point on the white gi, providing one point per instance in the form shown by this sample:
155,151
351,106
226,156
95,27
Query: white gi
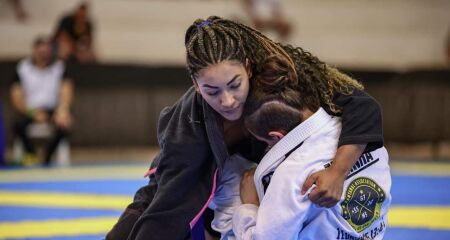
286,214
227,197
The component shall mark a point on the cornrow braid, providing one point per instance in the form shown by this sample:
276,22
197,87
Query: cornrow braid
216,40
209,42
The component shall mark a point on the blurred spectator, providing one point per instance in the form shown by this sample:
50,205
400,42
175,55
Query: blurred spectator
267,15
73,36
19,10
41,92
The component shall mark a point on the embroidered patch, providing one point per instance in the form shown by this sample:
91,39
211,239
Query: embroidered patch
362,203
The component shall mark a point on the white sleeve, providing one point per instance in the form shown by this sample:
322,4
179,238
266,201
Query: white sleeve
244,221
283,209
227,197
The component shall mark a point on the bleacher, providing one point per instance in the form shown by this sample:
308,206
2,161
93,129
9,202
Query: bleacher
141,62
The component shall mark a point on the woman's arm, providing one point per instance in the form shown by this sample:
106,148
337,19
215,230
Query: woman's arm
361,118
184,176
362,130
330,182
133,212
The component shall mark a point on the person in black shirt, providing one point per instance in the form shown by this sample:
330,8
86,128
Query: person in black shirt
73,36
204,128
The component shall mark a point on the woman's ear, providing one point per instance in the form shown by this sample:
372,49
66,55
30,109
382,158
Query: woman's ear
194,82
248,67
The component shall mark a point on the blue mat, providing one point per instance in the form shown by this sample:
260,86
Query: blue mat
79,237
16,214
116,187
416,234
406,190
420,190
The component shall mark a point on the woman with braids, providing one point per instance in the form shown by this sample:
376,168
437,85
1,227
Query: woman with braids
204,130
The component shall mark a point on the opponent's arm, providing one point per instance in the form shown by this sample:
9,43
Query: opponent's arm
281,212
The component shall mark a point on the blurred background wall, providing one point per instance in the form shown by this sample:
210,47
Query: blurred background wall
394,34
398,49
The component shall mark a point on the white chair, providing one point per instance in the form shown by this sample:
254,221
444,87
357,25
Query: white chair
43,131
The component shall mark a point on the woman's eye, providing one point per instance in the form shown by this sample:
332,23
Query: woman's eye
212,93
235,86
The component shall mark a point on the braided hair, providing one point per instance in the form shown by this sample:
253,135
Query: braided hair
216,39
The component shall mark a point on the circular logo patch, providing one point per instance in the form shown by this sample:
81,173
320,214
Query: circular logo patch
362,203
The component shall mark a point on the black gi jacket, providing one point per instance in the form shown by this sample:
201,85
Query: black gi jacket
190,135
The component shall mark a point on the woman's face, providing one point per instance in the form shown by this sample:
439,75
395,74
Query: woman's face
225,86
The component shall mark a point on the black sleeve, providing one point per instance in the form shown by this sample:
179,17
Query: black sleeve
184,175
361,120
134,210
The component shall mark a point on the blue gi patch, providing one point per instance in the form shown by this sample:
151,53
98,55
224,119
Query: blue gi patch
362,203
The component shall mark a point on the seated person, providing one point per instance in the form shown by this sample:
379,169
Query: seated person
74,36
303,140
41,92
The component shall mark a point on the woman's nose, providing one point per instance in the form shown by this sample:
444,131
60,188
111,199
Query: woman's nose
227,99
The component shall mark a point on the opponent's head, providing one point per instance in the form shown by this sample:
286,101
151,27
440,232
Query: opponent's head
221,57
275,106
270,116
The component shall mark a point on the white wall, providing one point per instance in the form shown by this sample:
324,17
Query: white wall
395,34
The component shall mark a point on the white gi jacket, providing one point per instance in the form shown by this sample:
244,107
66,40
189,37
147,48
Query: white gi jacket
227,197
286,214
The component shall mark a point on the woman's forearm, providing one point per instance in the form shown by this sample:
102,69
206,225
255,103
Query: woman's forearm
346,157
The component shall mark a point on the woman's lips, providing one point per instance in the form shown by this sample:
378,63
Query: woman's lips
231,110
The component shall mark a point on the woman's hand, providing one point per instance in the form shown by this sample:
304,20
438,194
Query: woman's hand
329,182
248,188
328,190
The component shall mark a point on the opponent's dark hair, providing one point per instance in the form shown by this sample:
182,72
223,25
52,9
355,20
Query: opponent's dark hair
269,111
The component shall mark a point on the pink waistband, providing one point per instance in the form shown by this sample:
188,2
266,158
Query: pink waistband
150,172
213,192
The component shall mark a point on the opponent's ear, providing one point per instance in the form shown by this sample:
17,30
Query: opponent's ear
276,135
248,67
